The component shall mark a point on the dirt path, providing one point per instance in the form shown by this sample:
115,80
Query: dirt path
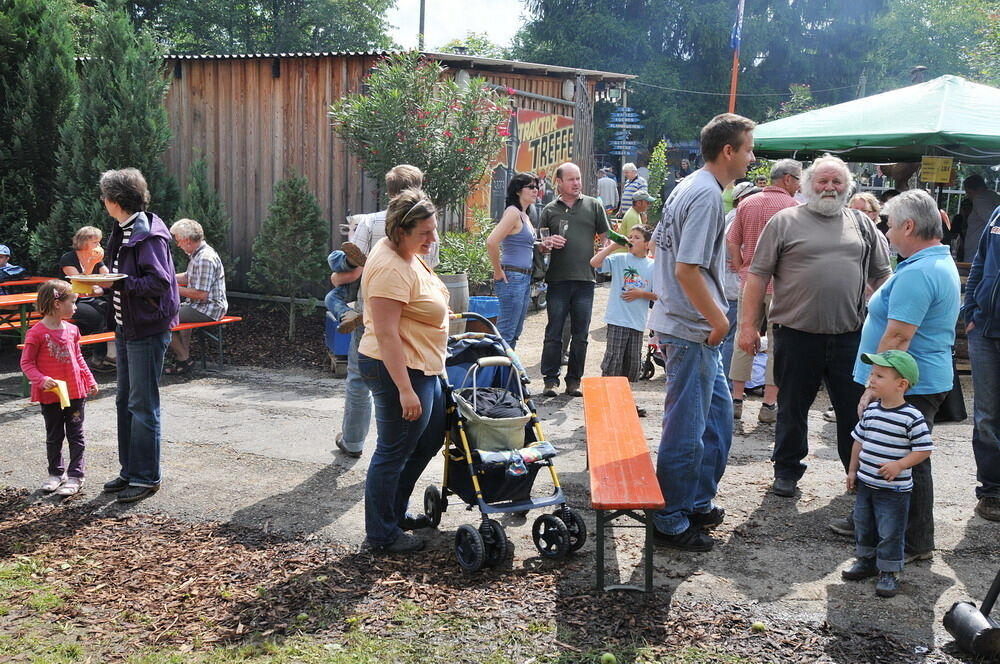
255,449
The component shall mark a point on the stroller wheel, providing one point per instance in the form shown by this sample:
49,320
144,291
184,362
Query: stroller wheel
648,369
575,525
496,542
551,536
469,548
433,505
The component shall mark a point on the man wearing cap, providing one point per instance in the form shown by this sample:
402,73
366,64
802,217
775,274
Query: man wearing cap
982,324
915,310
8,272
741,242
636,214
731,285
821,257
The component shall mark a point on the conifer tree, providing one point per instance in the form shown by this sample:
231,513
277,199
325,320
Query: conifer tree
202,203
119,122
289,254
37,88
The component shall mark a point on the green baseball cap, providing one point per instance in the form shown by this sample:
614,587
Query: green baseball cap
899,360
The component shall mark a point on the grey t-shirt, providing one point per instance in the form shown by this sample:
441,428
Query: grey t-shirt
692,230
819,268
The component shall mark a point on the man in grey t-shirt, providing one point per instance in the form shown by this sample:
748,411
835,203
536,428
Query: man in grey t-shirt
689,316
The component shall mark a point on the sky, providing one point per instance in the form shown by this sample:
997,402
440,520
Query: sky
445,20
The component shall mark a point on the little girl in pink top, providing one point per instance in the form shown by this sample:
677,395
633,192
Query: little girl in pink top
52,352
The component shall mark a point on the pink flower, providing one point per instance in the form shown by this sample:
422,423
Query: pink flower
447,133
511,91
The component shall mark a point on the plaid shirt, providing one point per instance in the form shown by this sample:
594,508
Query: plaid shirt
205,273
752,215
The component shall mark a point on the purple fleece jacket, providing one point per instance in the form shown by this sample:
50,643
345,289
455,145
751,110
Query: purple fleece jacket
150,300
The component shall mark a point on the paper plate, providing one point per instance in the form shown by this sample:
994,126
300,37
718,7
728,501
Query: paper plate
96,278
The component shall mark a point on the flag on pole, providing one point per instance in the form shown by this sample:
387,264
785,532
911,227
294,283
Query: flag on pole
737,33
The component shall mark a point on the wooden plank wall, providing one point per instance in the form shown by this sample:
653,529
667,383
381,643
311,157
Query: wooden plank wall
254,128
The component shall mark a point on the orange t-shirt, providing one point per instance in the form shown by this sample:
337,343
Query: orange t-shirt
423,325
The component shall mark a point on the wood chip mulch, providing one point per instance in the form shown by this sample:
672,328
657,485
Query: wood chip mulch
147,580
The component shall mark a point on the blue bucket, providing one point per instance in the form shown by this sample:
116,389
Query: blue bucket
485,306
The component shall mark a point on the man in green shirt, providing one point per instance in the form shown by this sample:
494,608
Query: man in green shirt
572,220
636,214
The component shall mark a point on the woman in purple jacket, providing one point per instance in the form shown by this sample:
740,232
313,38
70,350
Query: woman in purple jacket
144,308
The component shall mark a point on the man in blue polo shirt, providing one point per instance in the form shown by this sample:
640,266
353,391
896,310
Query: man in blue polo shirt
916,311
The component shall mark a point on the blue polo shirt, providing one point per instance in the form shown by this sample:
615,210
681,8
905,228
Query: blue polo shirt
924,291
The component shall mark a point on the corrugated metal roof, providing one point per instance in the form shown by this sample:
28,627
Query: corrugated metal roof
450,59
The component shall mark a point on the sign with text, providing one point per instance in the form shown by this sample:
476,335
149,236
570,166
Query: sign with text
545,141
936,169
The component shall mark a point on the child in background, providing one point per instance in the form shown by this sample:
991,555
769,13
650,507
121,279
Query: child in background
628,304
52,352
890,439
8,272
345,259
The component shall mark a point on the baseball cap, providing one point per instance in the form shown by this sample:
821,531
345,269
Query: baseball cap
643,195
4,250
899,360
744,189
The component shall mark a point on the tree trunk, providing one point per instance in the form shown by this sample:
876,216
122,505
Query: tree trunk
291,317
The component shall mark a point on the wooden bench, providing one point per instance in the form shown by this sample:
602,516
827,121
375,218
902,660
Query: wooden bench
622,479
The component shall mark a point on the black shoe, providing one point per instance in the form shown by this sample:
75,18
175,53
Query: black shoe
641,412
115,485
784,487
863,568
343,448
692,539
887,584
843,526
573,389
415,522
709,519
131,493
405,543
551,389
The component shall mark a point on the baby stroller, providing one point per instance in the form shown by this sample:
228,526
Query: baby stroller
654,356
493,449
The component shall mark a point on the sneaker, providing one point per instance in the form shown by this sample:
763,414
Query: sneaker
737,409
52,482
692,539
830,415
887,584
343,448
916,557
843,526
405,543
354,253
863,568
131,493
70,486
573,389
783,486
551,389
349,321
641,412
988,507
411,522
768,413
115,485
709,519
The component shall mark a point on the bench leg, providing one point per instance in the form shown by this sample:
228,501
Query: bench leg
600,549
648,551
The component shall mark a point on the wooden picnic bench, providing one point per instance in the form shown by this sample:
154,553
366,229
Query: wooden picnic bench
622,479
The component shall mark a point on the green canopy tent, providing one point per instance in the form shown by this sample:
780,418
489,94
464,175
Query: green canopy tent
948,116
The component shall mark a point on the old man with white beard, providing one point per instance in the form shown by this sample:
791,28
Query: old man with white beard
820,256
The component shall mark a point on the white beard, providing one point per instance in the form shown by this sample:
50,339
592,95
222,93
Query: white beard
827,206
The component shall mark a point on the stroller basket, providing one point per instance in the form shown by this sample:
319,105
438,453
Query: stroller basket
494,434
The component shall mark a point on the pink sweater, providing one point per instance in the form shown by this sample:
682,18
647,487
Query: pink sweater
55,354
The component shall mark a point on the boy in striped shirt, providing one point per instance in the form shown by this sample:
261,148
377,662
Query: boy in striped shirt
891,438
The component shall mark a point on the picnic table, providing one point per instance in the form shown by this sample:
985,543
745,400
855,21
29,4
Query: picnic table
27,281
15,313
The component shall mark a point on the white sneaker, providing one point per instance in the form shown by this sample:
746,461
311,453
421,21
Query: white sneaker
830,415
52,483
70,486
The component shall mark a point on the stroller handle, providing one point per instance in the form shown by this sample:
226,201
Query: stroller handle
471,315
495,361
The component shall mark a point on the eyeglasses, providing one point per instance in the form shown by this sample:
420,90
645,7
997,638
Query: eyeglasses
792,176
530,186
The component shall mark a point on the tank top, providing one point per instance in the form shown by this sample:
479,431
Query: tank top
517,249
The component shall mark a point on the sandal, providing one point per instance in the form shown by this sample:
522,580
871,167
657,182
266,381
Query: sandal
179,367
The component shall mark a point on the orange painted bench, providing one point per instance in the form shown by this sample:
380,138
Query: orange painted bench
622,478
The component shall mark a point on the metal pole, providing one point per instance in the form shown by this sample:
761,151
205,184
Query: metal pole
420,36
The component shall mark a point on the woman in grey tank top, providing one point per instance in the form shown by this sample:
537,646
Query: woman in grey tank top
511,248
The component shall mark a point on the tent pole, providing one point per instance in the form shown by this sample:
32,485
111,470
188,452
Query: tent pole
732,82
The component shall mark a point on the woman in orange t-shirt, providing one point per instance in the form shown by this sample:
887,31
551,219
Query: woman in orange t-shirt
401,359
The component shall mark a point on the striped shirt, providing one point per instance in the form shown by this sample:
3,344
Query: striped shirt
752,215
889,434
629,190
116,299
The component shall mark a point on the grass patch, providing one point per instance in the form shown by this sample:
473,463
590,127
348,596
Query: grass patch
26,575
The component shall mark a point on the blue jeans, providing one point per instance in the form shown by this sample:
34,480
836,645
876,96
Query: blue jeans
697,431
984,355
880,525
336,300
727,343
573,299
357,399
514,296
140,363
403,449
